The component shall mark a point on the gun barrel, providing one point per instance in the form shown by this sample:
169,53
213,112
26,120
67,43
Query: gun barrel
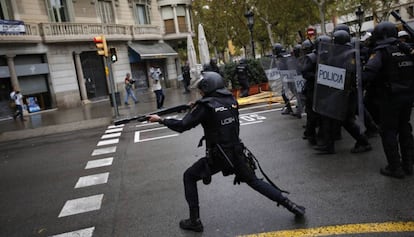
396,15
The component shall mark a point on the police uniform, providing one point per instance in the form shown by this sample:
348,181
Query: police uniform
217,112
312,118
391,70
243,78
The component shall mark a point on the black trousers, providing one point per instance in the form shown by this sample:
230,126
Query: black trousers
199,170
396,131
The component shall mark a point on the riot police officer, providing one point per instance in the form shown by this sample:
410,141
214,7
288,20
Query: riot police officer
330,126
242,73
308,70
391,68
280,52
217,112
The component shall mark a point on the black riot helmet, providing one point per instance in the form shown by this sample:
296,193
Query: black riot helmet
277,49
297,50
385,30
322,38
341,37
307,46
212,82
342,27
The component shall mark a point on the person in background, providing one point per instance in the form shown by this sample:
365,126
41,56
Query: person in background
186,77
17,97
129,91
156,75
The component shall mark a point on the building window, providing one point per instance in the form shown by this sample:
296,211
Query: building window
182,25
57,10
410,11
105,11
6,12
142,12
168,18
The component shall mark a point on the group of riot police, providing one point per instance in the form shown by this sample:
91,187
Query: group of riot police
383,105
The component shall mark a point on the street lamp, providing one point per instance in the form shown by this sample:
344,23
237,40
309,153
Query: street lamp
250,22
360,16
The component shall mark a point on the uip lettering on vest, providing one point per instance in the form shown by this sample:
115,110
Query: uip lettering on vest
272,74
228,120
331,76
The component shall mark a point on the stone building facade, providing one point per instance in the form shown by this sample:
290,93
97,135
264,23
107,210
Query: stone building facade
47,50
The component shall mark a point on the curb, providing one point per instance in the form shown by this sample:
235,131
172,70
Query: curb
54,129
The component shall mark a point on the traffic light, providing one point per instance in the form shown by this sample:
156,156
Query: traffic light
112,51
100,42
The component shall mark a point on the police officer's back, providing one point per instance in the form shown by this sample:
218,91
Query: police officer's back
391,68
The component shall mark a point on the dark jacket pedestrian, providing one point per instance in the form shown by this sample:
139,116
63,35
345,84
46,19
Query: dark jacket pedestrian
217,112
186,71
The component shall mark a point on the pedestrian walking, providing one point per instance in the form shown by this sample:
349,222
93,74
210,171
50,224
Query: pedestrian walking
217,112
156,76
17,97
129,90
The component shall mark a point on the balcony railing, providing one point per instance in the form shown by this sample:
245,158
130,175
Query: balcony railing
70,32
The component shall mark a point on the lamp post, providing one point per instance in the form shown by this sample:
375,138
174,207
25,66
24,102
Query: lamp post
250,22
360,16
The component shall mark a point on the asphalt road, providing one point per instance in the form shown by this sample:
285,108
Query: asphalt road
127,181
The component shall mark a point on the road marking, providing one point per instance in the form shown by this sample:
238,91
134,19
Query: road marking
385,227
115,126
102,151
88,232
99,163
91,180
81,205
108,142
244,123
111,135
154,138
114,130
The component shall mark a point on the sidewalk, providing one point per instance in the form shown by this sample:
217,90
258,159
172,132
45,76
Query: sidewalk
94,114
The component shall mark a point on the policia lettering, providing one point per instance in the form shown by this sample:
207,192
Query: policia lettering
218,114
331,76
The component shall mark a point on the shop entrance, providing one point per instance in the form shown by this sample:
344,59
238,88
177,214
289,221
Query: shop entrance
94,73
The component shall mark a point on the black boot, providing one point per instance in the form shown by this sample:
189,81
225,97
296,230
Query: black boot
193,223
299,211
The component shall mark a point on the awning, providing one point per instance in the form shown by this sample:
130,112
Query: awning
154,50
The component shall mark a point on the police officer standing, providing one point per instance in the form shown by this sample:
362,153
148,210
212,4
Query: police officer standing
242,73
217,112
391,68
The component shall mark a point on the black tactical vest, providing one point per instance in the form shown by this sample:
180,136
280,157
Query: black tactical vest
222,127
399,69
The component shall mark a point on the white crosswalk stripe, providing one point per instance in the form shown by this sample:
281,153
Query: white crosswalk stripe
91,180
88,232
111,135
114,130
116,126
103,151
108,142
99,163
81,205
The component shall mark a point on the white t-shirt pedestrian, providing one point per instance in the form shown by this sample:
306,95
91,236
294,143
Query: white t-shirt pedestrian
17,97
156,76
